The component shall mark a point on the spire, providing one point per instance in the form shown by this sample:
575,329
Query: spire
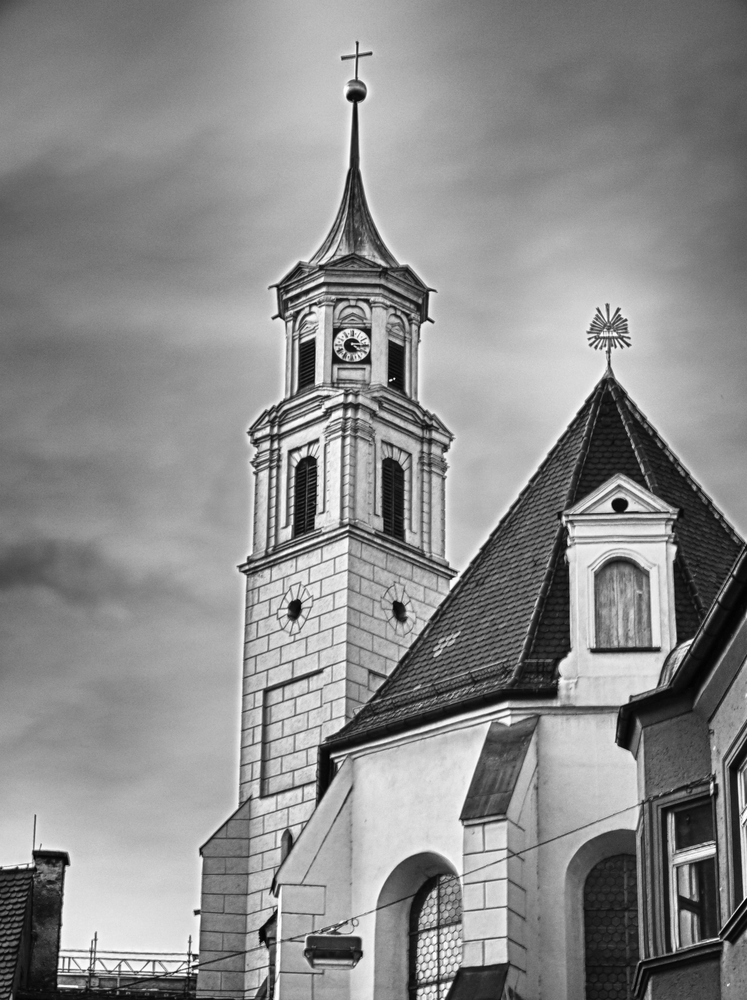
354,231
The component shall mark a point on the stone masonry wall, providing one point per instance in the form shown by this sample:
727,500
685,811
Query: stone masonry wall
303,679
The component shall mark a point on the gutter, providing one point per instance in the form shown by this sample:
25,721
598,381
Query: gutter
729,604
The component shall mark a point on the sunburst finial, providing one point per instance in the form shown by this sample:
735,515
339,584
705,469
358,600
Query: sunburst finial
608,331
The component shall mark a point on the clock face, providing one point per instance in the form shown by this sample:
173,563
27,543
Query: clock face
352,345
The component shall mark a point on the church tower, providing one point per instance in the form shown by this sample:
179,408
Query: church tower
347,562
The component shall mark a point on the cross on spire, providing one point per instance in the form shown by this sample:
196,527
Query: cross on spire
356,55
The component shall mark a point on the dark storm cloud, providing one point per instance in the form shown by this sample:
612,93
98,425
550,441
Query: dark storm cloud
78,572
163,163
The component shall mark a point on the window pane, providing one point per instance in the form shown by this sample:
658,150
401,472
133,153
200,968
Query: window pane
693,826
435,938
611,928
696,902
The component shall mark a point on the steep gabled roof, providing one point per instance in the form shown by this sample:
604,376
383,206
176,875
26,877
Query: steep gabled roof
354,231
15,893
505,625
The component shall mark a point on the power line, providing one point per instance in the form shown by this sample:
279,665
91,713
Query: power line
297,938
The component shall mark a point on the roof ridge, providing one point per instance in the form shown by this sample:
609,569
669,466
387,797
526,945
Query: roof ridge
648,472
474,564
683,470
596,399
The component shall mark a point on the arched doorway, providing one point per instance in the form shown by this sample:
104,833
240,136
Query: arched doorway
611,928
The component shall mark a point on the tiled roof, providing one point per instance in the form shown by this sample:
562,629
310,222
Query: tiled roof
505,625
15,890
354,231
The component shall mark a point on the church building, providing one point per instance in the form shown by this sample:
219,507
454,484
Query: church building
432,803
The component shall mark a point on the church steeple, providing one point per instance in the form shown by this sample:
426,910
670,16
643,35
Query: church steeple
354,231
348,557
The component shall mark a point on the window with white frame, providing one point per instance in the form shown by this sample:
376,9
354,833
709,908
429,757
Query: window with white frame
740,778
622,606
693,886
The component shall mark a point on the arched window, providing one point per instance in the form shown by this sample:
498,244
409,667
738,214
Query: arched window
304,496
611,928
435,938
393,498
622,601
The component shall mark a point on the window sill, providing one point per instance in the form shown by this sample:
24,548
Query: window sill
705,951
735,925
625,649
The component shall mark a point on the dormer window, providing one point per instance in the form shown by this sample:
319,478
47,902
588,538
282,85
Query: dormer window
622,604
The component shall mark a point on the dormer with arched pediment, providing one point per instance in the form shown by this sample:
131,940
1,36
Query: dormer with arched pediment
621,556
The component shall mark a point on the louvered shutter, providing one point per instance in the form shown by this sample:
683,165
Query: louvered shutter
622,606
306,363
393,498
396,366
304,497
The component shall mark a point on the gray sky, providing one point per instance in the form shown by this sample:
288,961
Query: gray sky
161,164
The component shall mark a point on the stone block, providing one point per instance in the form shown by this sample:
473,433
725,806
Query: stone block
474,897
294,761
237,866
308,702
225,885
496,893
233,922
276,821
496,951
496,836
212,902
310,738
480,925
213,866
491,865
268,660
472,953
473,840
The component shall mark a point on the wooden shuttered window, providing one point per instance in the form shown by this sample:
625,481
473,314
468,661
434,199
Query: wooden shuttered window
306,363
304,497
396,366
622,602
393,498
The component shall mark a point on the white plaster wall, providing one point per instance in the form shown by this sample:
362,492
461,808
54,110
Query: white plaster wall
584,778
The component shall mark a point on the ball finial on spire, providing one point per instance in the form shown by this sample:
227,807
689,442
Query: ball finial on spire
355,89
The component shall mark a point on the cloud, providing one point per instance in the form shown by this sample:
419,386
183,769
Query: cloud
78,572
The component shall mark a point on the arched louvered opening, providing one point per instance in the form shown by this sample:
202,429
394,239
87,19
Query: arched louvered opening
304,496
393,498
396,366
307,363
611,928
435,938
622,601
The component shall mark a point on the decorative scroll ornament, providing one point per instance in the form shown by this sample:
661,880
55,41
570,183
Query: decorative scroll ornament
608,331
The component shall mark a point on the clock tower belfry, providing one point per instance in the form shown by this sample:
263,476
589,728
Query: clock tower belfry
347,561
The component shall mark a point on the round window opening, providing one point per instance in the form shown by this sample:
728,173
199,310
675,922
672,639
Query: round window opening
294,610
399,611
619,505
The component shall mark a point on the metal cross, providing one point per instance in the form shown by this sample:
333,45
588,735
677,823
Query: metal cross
356,55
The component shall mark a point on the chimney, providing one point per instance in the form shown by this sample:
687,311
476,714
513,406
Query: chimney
46,918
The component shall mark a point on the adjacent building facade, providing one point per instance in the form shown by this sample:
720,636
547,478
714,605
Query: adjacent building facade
437,770
689,738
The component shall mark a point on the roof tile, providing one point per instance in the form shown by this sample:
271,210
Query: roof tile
505,624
